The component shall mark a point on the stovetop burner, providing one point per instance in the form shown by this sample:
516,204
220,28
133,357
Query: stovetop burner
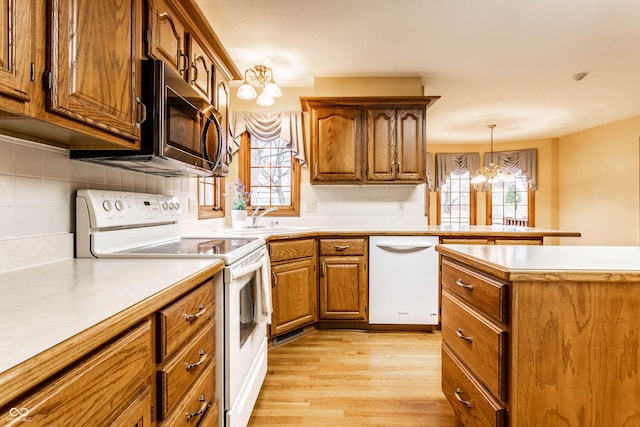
191,246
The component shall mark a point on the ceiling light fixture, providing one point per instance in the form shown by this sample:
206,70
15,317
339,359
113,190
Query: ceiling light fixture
262,75
492,173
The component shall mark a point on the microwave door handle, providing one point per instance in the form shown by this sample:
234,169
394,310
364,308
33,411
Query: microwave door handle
240,272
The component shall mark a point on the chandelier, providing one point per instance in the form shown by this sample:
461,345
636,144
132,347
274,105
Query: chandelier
263,75
492,173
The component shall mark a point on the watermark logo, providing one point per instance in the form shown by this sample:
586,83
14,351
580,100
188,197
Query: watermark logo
20,412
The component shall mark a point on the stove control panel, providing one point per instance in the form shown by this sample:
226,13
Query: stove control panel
104,208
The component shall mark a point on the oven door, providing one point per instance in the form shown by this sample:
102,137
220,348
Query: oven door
246,341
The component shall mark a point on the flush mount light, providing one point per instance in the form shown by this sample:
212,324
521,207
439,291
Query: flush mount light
261,75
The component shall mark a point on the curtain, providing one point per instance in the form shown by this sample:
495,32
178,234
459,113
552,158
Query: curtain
286,125
429,171
524,161
457,164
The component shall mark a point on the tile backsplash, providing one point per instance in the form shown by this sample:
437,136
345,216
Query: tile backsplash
38,184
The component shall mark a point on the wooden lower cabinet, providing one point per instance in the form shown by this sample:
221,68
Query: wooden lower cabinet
344,286
110,387
294,286
160,372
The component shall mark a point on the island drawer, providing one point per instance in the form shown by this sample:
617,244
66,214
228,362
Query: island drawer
482,292
342,246
292,249
478,342
472,404
181,370
181,319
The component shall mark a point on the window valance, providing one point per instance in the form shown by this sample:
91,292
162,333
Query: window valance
286,125
454,163
526,161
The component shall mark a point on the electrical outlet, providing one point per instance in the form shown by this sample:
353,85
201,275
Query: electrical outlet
193,206
312,206
400,205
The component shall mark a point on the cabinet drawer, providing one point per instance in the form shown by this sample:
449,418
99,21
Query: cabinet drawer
484,294
197,405
101,389
473,405
342,246
479,343
181,319
291,249
177,375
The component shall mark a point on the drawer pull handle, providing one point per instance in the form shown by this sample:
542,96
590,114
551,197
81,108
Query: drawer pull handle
463,336
460,283
341,247
203,407
466,403
203,356
190,317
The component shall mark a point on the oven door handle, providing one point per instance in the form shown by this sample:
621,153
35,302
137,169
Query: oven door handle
243,271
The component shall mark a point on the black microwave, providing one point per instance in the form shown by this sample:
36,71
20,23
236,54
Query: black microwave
182,134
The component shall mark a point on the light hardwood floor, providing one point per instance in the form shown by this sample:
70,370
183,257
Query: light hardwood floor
352,378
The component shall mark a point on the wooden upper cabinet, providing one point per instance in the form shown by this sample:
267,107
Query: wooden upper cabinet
335,148
200,73
380,144
167,36
410,145
94,63
17,48
174,42
388,132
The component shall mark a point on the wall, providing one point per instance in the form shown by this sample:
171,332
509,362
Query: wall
599,184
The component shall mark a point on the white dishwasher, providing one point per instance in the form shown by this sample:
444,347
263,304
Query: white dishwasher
403,280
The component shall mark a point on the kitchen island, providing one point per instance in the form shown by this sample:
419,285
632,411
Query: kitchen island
541,335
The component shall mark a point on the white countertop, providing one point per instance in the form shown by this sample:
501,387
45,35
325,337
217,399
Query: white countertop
553,262
434,230
45,305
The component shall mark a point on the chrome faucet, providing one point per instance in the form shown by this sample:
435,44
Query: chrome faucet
253,219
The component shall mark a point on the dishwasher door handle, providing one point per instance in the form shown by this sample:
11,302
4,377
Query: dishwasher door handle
401,245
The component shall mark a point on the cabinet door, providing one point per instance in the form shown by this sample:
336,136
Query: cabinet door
294,293
167,36
200,73
16,50
335,145
381,131
410,145
343,288
94,63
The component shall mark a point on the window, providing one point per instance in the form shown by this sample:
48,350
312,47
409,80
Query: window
271,174
210,200
511,202
456,201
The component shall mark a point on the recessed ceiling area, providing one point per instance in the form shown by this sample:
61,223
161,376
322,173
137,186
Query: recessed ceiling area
508,62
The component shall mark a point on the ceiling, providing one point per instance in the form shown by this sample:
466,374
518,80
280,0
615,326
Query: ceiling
508,62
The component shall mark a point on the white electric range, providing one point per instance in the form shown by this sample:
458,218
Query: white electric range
115,224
